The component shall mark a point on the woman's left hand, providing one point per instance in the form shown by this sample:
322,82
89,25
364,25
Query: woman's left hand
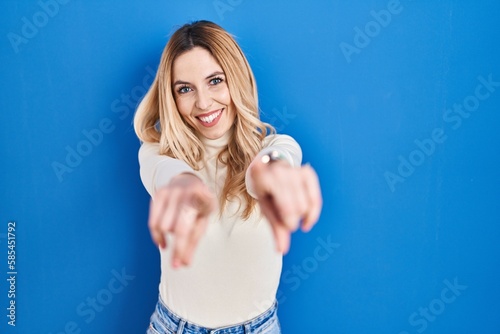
287,196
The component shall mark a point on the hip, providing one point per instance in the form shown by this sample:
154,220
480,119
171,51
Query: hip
164,321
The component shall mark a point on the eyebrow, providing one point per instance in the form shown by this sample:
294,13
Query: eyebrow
180,82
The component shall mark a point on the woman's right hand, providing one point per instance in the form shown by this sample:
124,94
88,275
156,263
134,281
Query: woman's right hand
181,208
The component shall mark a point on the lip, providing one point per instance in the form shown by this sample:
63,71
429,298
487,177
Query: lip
214,121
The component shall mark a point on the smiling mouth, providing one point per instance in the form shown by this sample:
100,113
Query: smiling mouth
210,118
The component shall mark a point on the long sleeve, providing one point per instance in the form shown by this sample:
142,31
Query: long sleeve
286,146
157,170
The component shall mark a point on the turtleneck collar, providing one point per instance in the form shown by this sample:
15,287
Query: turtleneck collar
215,145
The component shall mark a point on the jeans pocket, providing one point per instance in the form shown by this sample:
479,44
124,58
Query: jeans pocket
272,326
153,330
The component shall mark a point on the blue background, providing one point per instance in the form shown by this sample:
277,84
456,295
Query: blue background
394,246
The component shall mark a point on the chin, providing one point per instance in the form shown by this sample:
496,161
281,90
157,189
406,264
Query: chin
214,133
212,136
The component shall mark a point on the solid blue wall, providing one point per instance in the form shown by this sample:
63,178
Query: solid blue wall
396,104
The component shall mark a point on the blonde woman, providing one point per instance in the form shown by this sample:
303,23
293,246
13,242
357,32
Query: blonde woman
226,191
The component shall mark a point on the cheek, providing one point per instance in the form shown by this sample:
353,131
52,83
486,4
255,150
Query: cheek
227,100
221,94
226,97
232,112
183,106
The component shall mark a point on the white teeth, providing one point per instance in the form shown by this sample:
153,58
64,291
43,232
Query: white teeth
210,119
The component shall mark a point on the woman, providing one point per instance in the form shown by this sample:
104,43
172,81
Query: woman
227,192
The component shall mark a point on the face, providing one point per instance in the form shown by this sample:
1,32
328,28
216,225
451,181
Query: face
201,93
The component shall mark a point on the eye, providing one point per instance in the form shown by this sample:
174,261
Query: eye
184,90
216,81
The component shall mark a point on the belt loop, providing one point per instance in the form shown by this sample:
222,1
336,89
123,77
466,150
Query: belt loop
247,328
180,327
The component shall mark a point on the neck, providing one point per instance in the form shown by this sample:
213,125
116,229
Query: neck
218,142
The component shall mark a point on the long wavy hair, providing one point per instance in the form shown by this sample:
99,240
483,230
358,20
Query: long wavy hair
157,119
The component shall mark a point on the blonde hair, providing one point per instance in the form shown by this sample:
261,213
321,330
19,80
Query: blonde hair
177,138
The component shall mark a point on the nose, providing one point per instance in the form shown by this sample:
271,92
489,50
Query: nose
203,100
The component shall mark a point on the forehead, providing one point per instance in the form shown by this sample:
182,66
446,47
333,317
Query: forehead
194,64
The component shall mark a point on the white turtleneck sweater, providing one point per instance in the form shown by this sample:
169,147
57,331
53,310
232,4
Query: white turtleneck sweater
236,268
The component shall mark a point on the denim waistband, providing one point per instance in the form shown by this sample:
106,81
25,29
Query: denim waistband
164,317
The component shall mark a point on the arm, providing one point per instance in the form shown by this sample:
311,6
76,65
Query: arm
181,203
288,194
157,170
287,147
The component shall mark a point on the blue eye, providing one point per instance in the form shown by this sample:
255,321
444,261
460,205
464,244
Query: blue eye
184,90
216,81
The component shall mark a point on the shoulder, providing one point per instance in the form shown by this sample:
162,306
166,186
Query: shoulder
279,139
286,145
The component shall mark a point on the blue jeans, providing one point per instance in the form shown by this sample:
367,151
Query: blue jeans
164,321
